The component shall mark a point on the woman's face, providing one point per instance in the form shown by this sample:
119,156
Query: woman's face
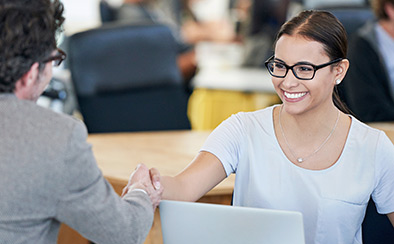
300,96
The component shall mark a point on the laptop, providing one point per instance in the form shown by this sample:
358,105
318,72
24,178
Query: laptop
203,223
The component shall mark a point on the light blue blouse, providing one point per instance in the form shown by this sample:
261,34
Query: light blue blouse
333,201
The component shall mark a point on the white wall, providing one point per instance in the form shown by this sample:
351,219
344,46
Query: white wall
208,10
84,14
80,15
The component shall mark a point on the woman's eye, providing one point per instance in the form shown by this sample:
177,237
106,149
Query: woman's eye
304,68
279,66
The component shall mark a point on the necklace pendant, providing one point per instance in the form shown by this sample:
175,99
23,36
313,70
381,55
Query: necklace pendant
301,160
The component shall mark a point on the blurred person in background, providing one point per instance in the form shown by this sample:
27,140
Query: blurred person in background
369,84
197,27
186,28
162,12
258,29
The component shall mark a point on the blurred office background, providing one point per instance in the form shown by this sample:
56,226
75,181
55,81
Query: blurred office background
176,64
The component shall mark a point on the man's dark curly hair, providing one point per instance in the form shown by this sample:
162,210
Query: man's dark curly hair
28,31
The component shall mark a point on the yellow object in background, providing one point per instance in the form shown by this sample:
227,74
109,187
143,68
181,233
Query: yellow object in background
207,108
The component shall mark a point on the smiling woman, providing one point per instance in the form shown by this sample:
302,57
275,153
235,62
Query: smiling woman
306,155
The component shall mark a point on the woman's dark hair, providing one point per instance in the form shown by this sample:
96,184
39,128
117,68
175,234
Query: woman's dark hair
323,27
27,35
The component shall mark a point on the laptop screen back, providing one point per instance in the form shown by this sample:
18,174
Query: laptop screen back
192,223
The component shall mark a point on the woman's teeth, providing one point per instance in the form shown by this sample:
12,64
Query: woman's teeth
294,95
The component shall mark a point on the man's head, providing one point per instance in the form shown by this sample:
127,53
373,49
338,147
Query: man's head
27,41
383,8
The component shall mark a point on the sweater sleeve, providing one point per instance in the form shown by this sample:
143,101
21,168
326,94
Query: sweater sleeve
88,203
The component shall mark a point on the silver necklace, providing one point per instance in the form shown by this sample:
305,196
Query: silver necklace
300,159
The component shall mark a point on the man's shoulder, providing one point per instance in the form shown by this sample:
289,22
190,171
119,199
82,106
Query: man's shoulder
28,114
48,116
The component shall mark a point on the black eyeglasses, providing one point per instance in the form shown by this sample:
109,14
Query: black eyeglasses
56,59
301,70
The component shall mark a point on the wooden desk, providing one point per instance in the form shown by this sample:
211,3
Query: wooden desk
118,154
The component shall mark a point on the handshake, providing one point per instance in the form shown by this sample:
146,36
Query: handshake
147,180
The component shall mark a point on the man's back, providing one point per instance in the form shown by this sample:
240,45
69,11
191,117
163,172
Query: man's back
31,169
48,175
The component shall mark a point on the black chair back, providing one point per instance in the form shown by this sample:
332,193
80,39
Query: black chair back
352,17
126,78
107,12
377,228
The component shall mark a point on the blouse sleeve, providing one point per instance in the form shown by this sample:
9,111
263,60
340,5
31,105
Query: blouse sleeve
225,143
383,194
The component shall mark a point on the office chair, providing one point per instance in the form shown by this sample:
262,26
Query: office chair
352,17
126,78
376,228
107,12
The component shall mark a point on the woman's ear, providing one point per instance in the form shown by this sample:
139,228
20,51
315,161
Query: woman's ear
341,69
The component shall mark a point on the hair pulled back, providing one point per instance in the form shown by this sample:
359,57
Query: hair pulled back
322,27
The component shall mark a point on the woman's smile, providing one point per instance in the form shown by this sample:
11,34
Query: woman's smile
293,95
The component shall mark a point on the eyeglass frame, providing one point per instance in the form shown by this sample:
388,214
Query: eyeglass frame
315,67
59,57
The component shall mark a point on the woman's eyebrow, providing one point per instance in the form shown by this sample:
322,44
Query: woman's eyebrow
301,62
280,60
304,62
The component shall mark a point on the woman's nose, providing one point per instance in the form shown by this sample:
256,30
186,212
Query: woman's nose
290,80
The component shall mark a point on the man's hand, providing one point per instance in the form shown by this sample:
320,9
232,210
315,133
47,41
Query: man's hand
147,180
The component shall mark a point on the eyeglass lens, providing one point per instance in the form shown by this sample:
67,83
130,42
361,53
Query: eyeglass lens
57,59
301,71
57,62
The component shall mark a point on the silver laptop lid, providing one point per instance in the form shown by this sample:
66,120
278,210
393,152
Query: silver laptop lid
202,223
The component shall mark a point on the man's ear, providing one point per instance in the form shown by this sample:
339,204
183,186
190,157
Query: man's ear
23,87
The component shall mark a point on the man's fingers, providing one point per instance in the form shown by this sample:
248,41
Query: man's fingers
139,173
155,178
